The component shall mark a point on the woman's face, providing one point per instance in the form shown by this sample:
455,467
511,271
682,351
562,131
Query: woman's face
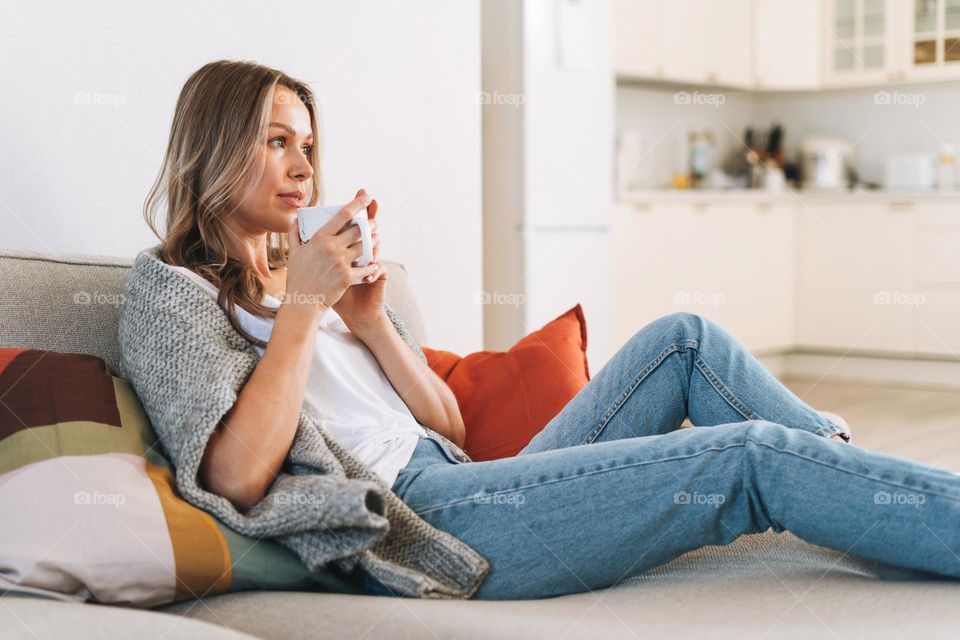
284,158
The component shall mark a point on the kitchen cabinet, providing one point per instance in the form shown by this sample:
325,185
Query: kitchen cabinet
733,264
931,39
775,45
936,246
839,274
692,41
862,42
787,52
855,277
883,41
641,33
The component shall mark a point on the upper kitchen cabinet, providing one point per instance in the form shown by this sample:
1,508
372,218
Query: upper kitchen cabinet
693,41
786,49
882,41
862,42
931,48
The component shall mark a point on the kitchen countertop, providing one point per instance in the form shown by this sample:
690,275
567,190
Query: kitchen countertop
813,196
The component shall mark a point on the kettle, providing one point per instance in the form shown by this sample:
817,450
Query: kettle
823,162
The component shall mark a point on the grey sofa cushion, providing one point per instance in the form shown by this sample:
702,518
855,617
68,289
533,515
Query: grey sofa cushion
35,619
761,585
70,303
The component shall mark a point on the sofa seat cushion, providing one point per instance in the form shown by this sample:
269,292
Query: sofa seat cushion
761,585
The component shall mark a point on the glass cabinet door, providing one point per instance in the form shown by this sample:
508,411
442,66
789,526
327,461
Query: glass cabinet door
859,39
925,32
935,38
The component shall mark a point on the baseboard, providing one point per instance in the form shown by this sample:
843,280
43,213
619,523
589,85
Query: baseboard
901,372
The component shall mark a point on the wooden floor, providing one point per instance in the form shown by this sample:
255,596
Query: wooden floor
922,425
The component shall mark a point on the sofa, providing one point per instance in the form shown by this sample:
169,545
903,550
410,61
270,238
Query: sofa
764,584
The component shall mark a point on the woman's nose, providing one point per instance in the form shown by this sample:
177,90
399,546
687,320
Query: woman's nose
303,170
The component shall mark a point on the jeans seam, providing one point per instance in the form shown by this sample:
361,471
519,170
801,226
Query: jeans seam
685,457
723,390
583,475
626,393
847,471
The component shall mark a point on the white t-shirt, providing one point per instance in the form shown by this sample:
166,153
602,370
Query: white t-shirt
347,392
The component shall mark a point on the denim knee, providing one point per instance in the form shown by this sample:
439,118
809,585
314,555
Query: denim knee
682,328
763,431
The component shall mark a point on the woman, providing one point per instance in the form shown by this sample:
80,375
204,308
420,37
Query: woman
612,486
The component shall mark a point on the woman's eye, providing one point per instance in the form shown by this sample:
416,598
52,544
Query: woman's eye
306,148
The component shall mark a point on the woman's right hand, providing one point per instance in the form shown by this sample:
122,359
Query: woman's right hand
321,270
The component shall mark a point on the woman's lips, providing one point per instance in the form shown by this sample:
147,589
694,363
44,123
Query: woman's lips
292,201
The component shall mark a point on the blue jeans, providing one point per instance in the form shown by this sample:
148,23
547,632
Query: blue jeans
612,486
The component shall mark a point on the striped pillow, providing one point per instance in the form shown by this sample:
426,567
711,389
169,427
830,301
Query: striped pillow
90,505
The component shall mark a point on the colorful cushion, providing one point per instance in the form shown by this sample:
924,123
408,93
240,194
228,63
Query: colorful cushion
90,505
507,397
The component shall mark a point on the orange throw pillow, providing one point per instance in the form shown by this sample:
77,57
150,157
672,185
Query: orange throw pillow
507,397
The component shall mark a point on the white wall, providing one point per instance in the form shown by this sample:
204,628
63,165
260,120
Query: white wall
399,81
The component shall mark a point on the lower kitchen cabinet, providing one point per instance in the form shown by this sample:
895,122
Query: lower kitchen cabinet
855,278
875,277
936,236
731,263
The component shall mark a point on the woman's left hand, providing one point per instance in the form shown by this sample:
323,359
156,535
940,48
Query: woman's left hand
361,306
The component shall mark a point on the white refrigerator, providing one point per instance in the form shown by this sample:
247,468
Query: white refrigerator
548,140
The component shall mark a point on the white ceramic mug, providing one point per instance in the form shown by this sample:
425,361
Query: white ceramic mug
310,219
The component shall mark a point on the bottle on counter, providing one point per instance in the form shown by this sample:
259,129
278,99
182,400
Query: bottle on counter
700,144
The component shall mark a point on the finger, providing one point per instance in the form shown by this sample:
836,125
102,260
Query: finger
345,215
293,237
350,235
372,207
354,251
363,272
381,274
376,249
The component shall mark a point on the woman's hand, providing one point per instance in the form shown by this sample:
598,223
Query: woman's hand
320,271
361,305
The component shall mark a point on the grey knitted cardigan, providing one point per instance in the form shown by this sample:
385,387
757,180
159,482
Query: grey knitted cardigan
187,365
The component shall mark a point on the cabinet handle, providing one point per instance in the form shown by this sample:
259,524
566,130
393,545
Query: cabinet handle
701,207
901,206
641,207
764,207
